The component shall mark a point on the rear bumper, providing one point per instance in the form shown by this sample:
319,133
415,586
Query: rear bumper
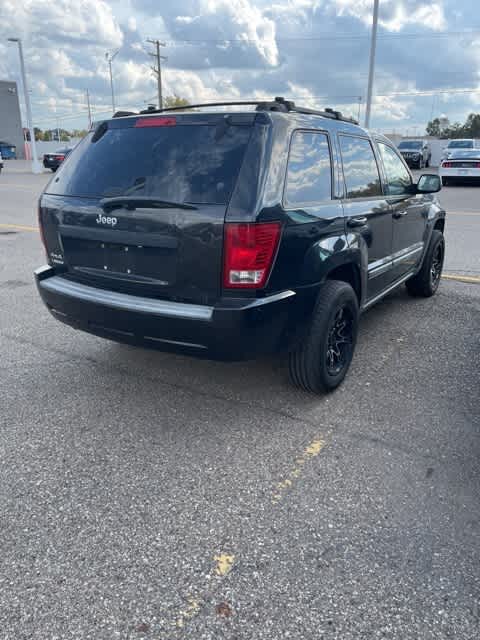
459,172
51,164
233,329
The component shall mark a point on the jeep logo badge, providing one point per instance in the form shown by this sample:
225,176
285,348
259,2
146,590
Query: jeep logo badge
106,220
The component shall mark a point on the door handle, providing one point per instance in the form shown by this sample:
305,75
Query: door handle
357,222
399,214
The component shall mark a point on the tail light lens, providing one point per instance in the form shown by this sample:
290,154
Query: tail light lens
40,228
60,158
249,253
447,165
477,166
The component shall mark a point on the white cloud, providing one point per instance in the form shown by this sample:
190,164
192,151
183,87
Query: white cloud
395,15
242,49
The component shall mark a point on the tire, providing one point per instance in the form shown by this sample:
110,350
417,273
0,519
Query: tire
425,283
427,164
52,169
320,360
444,182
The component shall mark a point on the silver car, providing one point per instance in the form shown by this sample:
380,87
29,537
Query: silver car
416,153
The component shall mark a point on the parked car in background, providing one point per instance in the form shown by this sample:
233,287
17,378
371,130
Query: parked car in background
459,143
462,164
54,160
236,233
416,153
1,163
8,151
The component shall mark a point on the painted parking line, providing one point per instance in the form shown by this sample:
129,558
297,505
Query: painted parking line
20,227
22,187
296,470
458,277
225,562
475,214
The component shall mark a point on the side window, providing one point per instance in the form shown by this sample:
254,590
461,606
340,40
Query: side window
309,172
359,168
398,178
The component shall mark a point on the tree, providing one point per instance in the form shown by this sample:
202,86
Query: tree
472,125
175,101
78,133
434,128
471,128
38,133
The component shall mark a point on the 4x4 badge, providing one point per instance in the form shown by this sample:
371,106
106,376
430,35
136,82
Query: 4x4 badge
106,220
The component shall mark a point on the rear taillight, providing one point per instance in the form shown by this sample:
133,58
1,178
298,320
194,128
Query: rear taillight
447,165
249,252
40,228
477,165
60,158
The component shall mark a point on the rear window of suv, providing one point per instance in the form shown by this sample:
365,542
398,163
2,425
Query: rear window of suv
197,163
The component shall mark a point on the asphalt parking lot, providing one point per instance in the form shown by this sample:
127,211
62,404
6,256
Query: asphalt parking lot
145,495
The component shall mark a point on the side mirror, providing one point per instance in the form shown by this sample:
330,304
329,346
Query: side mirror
429,183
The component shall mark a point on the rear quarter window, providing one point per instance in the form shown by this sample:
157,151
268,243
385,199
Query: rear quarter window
360,169
309,171
182,163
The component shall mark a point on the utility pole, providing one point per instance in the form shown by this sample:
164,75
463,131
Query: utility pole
36,167
158,69
371,71
359,108
110,57
89,110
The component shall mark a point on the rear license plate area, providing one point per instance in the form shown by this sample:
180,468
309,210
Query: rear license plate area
131,260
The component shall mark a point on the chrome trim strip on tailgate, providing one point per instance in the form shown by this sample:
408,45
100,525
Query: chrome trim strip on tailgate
57,284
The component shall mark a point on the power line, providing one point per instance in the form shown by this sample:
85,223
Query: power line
325,36
306,99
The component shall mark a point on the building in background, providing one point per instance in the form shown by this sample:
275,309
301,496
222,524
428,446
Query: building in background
10,119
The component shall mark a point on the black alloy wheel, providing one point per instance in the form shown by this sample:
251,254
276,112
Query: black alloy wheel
340,341
437,266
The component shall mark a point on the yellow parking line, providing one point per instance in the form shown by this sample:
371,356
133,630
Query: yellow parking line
224,563
21,227
21,187
295,472
460,278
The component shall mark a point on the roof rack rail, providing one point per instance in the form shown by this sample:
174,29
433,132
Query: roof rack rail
278,104
197,106
326,113
122,114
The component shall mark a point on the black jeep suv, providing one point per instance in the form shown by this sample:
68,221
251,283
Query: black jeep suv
227,234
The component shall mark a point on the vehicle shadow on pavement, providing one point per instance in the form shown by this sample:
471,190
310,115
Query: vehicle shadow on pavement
398,338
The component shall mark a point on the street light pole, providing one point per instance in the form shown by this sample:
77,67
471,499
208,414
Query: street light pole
36,167
110,59
89,110
371,71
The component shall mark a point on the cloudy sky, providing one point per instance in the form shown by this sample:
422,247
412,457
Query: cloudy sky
314,51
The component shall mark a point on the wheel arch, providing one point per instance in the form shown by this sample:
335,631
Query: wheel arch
348,272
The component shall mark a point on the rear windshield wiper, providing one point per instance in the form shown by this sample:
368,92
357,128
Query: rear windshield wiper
132,202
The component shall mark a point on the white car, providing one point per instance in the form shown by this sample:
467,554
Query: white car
462,164
455,145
